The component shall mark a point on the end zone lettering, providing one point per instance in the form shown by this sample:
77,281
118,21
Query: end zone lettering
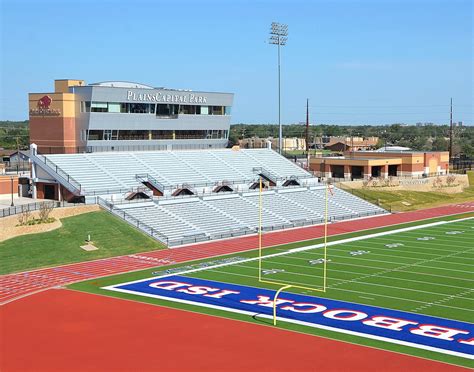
421,331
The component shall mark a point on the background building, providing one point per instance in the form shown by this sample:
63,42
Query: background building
123,116
289,144
351,143
367,164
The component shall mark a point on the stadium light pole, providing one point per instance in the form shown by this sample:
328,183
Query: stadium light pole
278,36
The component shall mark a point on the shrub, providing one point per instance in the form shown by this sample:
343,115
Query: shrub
44,211
24,216
450,180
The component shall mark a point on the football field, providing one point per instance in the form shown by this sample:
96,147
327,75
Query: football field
426,269
394,279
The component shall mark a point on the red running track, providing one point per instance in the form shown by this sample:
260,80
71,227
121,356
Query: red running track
73,331
14,286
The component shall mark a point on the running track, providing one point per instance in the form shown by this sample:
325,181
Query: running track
73,331
14,286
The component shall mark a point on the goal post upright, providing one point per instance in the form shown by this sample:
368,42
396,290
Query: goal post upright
260,230
326,213
282,284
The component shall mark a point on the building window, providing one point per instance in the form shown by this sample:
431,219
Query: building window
161,134
228,110
133,135
114,107
99,107
167,111
88,106
139,108
217,110
190,134
95,135
187,109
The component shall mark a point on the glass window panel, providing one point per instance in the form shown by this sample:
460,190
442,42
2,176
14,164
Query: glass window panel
99,104
204,110
96,134
114,107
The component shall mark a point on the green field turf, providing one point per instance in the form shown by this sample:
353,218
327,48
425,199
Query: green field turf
111,235
397,271
432,277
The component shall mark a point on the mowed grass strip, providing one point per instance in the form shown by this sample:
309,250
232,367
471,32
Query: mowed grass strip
403,200
404,277
112,236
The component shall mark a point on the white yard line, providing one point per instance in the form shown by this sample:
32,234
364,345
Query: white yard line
420,244
333,263
358,280
302,249
414,264
339,289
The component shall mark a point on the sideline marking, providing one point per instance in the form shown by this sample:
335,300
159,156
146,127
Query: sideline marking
313,312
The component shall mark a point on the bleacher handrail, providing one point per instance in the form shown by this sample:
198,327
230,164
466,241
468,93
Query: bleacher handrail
60,172
147,229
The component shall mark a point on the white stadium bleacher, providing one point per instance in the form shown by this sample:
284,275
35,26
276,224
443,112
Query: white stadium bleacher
103,171
210,212
194,219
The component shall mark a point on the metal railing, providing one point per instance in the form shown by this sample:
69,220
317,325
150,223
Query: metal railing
202,237
127,217
11,211
151,180
249,231
60,172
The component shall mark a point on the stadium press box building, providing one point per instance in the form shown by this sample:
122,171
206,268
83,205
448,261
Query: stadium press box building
124,116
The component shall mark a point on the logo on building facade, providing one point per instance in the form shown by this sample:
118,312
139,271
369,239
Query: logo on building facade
166,98
43,108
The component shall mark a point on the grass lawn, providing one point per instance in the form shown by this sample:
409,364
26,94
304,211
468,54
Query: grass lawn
470,176
393,200
112,236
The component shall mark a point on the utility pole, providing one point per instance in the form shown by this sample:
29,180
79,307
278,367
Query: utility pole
17,155
451,133
278,36
307,133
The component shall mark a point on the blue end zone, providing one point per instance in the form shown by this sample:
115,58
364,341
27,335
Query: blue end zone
410,329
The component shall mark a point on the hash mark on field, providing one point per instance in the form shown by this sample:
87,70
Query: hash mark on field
397,268
368,298
443,300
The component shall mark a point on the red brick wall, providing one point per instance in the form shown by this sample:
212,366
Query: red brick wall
5,185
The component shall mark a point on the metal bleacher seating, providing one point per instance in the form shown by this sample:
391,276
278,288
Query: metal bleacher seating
209,215
110,171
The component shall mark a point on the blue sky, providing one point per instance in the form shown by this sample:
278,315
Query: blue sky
364,61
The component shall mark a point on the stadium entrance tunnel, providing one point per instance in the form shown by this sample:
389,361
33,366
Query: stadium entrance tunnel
291,183
223,188
137,195
266,181
183,191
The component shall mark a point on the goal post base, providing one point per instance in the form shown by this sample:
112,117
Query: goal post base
275,302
